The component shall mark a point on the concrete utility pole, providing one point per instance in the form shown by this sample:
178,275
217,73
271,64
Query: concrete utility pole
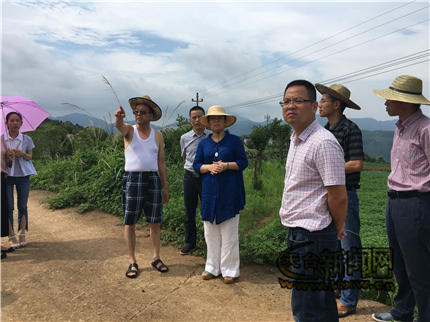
197,100
267,118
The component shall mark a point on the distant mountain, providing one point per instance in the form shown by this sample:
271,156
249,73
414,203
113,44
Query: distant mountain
86,120
367,124
80,119
377,135
378,143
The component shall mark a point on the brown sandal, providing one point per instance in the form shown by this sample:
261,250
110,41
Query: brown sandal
208,275
343,310
228,280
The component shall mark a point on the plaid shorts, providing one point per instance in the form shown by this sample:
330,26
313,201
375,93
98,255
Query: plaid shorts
142,191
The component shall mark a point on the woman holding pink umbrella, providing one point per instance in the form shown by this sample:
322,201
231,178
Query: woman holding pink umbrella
20,168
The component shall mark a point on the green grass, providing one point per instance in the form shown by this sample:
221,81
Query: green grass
373,199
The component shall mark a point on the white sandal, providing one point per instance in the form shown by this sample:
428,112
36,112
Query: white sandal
13,245
24,243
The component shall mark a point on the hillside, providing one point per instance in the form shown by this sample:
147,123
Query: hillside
377,135
377,143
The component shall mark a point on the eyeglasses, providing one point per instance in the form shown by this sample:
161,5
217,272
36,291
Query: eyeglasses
137,112
324,101
9,164
295,102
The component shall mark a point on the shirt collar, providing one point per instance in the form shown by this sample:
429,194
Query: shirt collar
338,123
205,132
19,137
410,120
308,131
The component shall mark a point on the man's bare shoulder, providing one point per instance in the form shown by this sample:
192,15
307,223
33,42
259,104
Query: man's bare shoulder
158,137
130,130
158,133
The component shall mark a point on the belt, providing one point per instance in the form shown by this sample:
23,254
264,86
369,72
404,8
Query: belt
404,194
195,175
349,188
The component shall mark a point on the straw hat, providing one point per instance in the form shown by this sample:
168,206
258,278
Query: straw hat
405,88
340,92
146,100
217,110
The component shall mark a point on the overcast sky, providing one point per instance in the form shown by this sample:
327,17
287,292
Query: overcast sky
230,53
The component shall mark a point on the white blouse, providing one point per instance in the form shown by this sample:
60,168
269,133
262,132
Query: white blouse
20,166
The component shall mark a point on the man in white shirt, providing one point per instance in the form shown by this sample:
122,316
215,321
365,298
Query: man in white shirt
142,188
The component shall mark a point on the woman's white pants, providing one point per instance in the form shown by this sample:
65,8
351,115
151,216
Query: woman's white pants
223,247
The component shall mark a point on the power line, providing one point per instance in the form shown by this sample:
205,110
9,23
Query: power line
350,77
329,46
276,97
315,60
325,39
364,22
279,95
422,54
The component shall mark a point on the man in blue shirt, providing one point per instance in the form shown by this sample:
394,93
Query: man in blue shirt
192,181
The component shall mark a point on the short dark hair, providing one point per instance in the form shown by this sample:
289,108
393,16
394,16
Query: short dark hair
312,93
11,113
197,108
343,105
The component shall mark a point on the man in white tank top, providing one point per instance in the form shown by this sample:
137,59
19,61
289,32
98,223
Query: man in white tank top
145,179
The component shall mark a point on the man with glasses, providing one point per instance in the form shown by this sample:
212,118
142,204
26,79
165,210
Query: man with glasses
142,188
192,181
332,105
314,204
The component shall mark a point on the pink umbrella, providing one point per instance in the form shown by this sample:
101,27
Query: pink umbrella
32,114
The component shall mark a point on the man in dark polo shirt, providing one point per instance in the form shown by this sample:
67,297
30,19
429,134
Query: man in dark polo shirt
332,105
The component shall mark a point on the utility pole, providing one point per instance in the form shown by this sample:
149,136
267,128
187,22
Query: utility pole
197,100
267,118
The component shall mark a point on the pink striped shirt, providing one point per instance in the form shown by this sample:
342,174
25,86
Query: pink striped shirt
315,160
410,155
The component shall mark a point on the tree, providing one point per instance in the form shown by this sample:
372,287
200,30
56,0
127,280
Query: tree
53,139
172,137
280,133
258,140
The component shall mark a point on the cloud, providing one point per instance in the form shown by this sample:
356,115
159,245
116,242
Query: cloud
230,53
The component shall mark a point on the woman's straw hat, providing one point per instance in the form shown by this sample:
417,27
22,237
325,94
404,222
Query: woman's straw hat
340,92
146,100
217,110
405,88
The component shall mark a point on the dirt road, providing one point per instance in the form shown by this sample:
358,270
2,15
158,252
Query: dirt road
73,269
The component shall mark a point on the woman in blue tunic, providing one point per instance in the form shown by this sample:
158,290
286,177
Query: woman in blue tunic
220,160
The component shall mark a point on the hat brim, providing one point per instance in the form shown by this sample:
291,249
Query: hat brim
327,90
134,101
231,119
391,95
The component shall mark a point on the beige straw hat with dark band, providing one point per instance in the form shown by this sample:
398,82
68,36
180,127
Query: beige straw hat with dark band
217,110
146,100
340,92
405,88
